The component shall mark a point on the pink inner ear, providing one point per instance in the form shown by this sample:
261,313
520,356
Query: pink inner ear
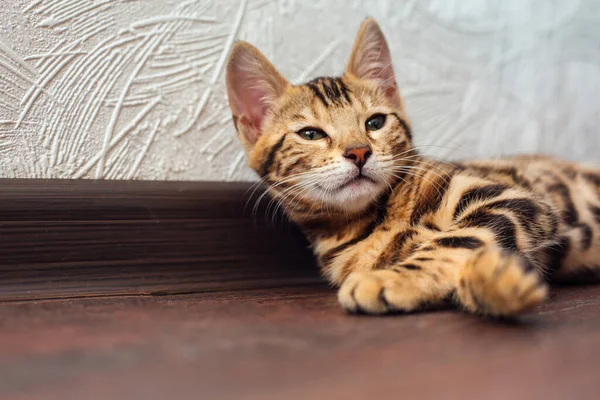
257,108
253,86
371,59
382,72
251,108
376,62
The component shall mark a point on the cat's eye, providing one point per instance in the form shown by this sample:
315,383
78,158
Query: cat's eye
311,134
375,123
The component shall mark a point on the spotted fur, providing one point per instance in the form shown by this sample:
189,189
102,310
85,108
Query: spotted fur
398,231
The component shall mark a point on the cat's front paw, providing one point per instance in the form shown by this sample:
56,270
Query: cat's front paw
499,283
379,292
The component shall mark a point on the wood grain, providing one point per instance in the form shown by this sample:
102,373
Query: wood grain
66,238
293,343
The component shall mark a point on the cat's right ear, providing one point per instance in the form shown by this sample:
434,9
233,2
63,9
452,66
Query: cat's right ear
253,86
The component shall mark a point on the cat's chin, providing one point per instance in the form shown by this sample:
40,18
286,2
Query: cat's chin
356,195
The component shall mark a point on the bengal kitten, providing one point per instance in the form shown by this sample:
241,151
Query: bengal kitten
395,230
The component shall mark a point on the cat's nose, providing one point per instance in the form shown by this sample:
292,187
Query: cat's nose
358,154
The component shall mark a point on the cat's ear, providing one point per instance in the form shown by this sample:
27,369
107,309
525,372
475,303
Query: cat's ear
253,85
371,59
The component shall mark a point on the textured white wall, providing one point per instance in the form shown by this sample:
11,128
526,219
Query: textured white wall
134,88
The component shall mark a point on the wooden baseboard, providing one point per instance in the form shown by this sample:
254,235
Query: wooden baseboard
76,238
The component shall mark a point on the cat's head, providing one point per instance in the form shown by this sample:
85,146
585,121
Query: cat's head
332,143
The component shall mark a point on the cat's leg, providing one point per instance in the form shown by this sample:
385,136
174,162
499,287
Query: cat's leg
575,258
465,265
454,252
404,287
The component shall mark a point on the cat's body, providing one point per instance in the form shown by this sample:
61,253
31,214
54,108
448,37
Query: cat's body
395,230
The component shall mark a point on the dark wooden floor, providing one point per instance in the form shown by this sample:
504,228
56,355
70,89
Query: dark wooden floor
293,344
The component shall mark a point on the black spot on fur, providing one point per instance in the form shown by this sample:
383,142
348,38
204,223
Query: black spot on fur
512,172
556,253
503,228
400,240
594,179
569,215
431,226
429,204
315,89
524,209
404,126
266,166
293,165
516,176
463,242
480,193
344,89
586,236
330,90
596,212
393,252
412,267
413,247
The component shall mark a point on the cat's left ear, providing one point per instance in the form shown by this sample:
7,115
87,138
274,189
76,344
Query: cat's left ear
371,60
253,86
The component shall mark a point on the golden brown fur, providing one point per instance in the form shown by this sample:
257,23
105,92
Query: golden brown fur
395,230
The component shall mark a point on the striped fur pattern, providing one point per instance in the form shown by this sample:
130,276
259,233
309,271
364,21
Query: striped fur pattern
396,231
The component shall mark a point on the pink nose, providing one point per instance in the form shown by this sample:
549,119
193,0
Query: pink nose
358,154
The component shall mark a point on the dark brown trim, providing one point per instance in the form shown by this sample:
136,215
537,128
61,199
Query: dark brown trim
79,238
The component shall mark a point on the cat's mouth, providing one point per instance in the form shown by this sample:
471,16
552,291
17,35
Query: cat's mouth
353,193
359,180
